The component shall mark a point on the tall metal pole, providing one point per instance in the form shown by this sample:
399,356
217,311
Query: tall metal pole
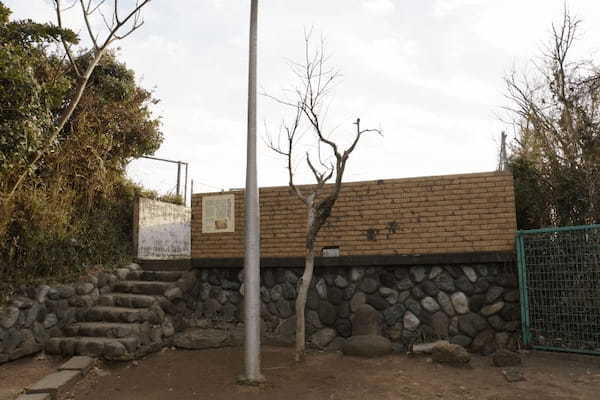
178,176
185,186
252,219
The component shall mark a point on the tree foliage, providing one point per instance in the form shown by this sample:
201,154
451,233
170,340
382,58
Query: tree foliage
75,206
556,155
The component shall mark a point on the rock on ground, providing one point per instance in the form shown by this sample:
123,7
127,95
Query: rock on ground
506,358
448,353
198,338
367,346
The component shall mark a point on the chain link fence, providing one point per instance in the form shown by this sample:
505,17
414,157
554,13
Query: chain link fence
559,278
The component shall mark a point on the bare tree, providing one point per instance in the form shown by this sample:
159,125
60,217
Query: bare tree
118,26
315,82
556,156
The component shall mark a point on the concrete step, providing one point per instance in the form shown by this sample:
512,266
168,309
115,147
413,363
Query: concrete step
118,314
161,276
142,287
106,329
127,300
108,348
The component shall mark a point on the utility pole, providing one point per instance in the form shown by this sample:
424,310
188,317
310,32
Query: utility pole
252,219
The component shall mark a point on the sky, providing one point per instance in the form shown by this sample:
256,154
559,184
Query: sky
429,73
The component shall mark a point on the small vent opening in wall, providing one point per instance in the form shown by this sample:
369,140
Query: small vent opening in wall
330,251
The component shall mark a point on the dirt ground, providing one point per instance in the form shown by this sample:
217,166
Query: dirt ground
176,375
16,375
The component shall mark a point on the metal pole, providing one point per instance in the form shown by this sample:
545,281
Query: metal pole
185,186
178,176
252,219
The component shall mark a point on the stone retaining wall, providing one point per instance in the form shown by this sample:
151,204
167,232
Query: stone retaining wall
38,313
472,305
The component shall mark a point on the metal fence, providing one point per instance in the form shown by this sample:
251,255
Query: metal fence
559,279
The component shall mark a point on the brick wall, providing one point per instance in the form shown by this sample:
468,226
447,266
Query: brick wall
430,215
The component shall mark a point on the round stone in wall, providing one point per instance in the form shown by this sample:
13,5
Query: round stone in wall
340,282
404,284
410,320
356,274
394,314
377,301
493,294
446,304
390,295
470,273
369,285
445,282
430,288
321,287
417,274
335,295
460,302
327,313
430,304
492,308
435,271
357,300
440,323
343,327
366,321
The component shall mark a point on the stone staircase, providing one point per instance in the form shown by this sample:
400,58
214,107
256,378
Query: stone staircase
126,323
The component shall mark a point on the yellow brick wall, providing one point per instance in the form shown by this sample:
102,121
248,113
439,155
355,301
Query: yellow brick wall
432,215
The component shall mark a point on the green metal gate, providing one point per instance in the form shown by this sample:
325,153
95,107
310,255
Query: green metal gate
559,280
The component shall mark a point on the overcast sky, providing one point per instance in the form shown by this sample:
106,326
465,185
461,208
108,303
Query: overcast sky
428,72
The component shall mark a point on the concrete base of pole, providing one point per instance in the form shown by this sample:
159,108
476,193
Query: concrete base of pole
243,380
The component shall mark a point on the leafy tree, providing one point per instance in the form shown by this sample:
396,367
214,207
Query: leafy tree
556,155
75,207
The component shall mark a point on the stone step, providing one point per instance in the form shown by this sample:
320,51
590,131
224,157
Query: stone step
105,329
127,300
161,276
118,314
142,287
54,384
108,348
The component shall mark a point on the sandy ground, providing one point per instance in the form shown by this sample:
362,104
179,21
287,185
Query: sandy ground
211,374
16,375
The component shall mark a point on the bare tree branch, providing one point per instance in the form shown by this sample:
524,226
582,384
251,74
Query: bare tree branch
66,46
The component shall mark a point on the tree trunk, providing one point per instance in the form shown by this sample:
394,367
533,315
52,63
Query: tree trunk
304,283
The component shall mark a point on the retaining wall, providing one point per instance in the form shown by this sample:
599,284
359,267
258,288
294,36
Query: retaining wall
473,305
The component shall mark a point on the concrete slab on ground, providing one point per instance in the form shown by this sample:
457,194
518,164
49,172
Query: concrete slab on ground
36,396
55,383
78,363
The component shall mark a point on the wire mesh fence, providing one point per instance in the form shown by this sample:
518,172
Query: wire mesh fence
559,274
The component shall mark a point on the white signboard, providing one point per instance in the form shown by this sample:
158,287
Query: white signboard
164,230
218,213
